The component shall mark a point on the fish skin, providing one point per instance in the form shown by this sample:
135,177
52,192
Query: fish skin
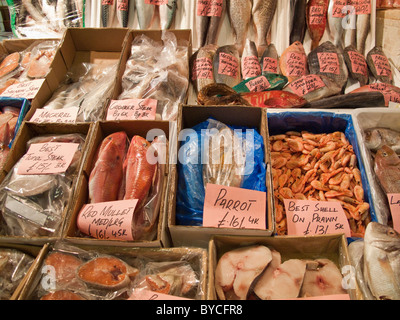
123,12
107,13
107,174
382,261
270,52
376,138
335,26
167,14
263,13
390,92
387,169
208,52
316,29
250,52
299,28
315,67
275,99
297,48
239,13
362,78
229,80
363,28
377,50
202,25
145,13
214,26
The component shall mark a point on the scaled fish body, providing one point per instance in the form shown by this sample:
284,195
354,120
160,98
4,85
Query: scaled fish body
390,92
263,13
363,28
239,12
250,64
299,24
356,64
293,62
376,138
379,65
215,25
201,67
145,14
335,19
107,12
167,14
270,60
123,12
382,261
316,14
387,169
226,66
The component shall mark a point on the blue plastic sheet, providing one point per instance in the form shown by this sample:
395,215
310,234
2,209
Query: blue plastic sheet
191,189
322,122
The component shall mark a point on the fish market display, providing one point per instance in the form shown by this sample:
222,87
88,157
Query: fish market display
157,70
323,167
226,66
379,65
167,13
228,164
382,261
293,62
33,205
201,67
298,21
145,13
274,99
269,82
73,273
363,26
387,169
390,92
376,138
107,13
43,18
86,87
350,100
219,94
239,13
122,12
208,21
335,22
328,61
250,65
13,266
269,60
258,272
121,171
263,12
316,14
356,64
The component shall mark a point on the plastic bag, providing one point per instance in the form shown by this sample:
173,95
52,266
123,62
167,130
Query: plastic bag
33,205
239,163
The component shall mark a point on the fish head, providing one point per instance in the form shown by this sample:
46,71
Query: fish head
373,139
382,236
385,157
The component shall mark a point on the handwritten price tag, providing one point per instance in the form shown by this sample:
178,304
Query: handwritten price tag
296,64
209,8
328,62
270,65
108,220
394,203
144,294
258,84
250,67
229,207
156,2
358,63
67,115
27,89
306,84
228,65
132,109
317,15
382,65
202,69
315,218
47,158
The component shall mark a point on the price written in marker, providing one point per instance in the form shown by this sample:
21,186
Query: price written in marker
132,109
67,115
315,218
27,89
394,203
229,207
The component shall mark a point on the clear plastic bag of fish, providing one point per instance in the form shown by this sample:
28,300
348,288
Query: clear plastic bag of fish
216,153
33,205
157,70
13,266
43,18
85,87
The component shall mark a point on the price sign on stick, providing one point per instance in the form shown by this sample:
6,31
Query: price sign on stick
394,203
229,207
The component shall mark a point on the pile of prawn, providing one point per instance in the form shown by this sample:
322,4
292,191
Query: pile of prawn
319,167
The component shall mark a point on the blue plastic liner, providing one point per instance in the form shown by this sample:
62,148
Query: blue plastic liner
21,103
191,189
322,122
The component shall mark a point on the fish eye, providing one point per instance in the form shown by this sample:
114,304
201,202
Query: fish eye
391,232
384,154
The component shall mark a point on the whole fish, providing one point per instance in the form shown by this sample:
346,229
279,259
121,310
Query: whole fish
219,94
316,15
226,65
202,24
250,64
382,261
350,100
201,67
107,12
335,19
263,13
274,99
215,22
356,64
167,13
376,138
145,14
107,174
239,13
328,61
363,28
298,21
379,65
390,92
387,169
293,62
270,60
123,12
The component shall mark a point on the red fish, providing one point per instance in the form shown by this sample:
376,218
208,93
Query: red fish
316,14
106,177
274,99
389,91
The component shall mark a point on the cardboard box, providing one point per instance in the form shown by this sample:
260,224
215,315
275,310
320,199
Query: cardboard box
27,132
31,250
79,45
368,119
182,36
190,116
333,247
196,257
315,121
101,130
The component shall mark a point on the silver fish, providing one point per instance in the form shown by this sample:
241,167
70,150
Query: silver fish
270,60
123,12
215,25
298,21
107,13
382,261
263,13
167,14
335,25
226,65
239,12
363,28
201,67
145,14
250,64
